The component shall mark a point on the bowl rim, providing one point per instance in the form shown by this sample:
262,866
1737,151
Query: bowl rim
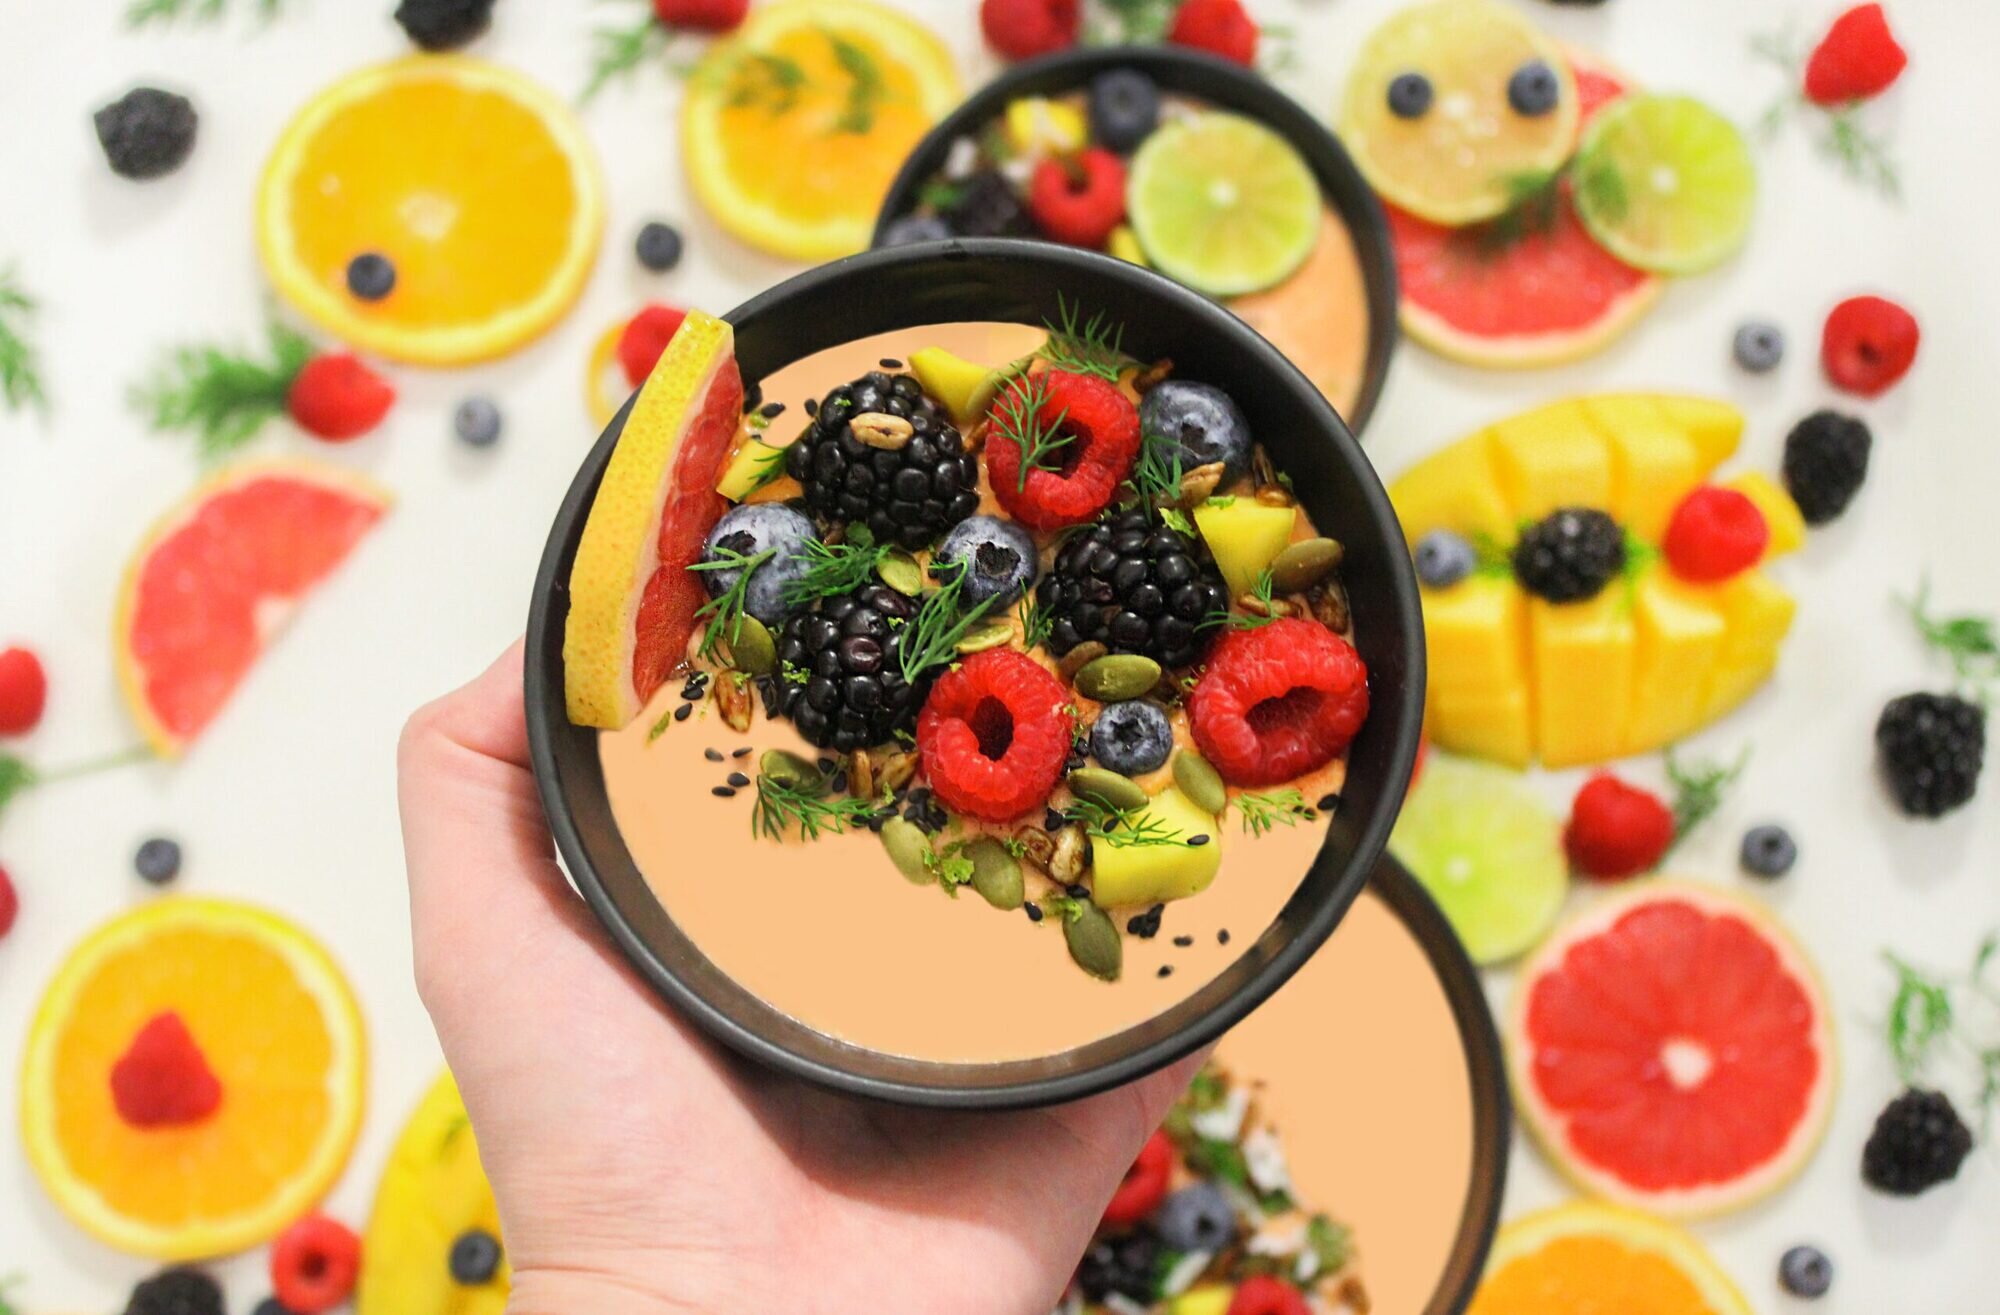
1233,87
547,720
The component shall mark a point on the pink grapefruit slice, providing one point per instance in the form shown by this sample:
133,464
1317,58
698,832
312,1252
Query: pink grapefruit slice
632,600
1522,291
216,578
1672,1051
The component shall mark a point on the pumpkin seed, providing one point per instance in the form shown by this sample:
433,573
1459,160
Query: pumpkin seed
753,651
1080,657
900,572
1304,564
861,774
1094,942
909,849
987,634
1117,677
1201,783
732,698
791,771
1107,788
995,874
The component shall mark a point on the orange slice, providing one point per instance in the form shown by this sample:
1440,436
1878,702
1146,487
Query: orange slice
275,1022
477,184
793,129
1586,1259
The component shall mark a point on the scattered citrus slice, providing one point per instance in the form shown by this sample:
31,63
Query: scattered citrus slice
604,385
1672,1050
1223,204
794,127
1468,154
432,1193
476,184
216,578
1488,852
1665,183
632,599
275,1023
1586,1258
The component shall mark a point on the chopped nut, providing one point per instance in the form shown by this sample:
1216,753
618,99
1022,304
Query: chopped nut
861,774
1275,495
975,437
1080,657
894,772
1329,605
1198,484
1068,862
878,429
1153,376
732,698
1261,470
1037,846
1256,606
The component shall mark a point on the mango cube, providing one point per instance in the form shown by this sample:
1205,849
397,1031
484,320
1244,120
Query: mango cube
1204,1299
1496,726
1475,636
1716,427
1584,655
965,387
1681,634
1152,874
1453,490
1551,457
1244,536
1653,464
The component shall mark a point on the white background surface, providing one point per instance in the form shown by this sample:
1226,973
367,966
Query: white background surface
288,799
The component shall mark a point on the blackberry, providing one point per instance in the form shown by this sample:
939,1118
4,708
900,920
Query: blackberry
1134,586
1931,748
988,206
176,1292
146,132
1918,1142
840,678
1125,1265
1826,459
1570,555
907,495
444,24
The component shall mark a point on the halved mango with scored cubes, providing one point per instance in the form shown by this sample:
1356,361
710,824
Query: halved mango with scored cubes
1649,660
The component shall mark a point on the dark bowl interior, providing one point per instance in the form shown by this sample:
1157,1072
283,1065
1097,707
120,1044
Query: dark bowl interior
1019,282
1228,86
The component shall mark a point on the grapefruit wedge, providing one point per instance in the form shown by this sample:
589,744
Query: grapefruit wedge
632,600
1672,1050
216,578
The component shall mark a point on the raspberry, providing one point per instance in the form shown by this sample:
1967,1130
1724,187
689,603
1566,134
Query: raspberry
1858,57
162,1080
1144,1185
995,735
646,335
10,903
1277,701
1868,345
702,15
1080,200
314,1264
1023,29
1260,1294
1616,830
1221,27
1095,429
1715,533
24,691
335,397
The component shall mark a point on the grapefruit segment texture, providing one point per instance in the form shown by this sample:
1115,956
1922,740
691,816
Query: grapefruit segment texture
216,578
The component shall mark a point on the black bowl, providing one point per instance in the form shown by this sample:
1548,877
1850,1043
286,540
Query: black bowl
1018,282
1221,83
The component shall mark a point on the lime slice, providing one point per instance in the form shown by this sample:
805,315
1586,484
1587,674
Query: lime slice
1223,204
1488,852
1665,184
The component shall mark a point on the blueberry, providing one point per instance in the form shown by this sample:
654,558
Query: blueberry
658,246
1758,346
1124,109
1769,851
1444,558
158,860
270,1306
477,422
1410,95
915,228
1805,1272
999,557
1132,738
1533,90
475,1257
1196,1218
758,528
1203,423
371,276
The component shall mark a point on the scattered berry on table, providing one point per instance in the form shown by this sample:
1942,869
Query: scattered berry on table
1124,109
1023,29
10,903
1123,1265
1859,57
146,133
475,1257
1868,344
1759,346
1805,1272
645,337
988,206
477,422
1617,830
1410,95
158,860
176,1292
907,488
1715,533
1570,555
1930,748
999,560
1144,1185
1135,586
841,680
702,15
1199,1217
24,691
270,1306
1132,738
1089,434
750,531
1079,199
1443,558
995,735
658,246
314,1264
1202,422
371,276
336,397
444,24
1533,89
1261,1294
1918,1142
1277,701
906,230
1826,460
163,1080
1221,27
1768,851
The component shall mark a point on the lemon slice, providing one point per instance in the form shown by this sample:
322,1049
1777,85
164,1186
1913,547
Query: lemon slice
1469,153
1223,204
1666,184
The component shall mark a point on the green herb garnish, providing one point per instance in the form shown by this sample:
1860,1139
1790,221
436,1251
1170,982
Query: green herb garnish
1018,419
1063,908
18,775
769,81
1122,828
8,1284
1084,346
794,674
1156,475
866,87
724,613
1272,808
834,569
781,807
1036,623
1699,789
140,13
1925,1019
1331,1245
1534,204
931,638
1248,620
20,367
1862,157
950,866
616,51
224,399
659,727
1969,641
1131,22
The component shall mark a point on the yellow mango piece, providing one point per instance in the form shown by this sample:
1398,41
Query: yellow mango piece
1453,489
1716,427
1474,635
1551,457
1758,615
1681,634
965,387
1653,464
753,465
1495,726
1150,874
1788,527
1124,244
1243,536
1038,126
1584,655
1203,1299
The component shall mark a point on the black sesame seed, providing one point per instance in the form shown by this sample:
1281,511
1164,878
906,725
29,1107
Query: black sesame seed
1183,941
771,410
1034,913
1195,841
1166,970
743,752
1146,925
683,712
825,764
713,755
1222,937
812,406
753,397
724,792
839,783
738,779
1079,892
1328,802
890,363
1056,820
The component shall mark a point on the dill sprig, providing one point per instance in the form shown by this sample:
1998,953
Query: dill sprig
1534,203
1925,1018
1285,807
1699,789
1036,623
1262,591
1157,474
1084,346
1968,640
932,636
615,51
142,13
1861,156
1122,828
724,612
866,86
8,1284
1018,419
20,366
833,569
763,79
224,398
18,775
1130,22
781,807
